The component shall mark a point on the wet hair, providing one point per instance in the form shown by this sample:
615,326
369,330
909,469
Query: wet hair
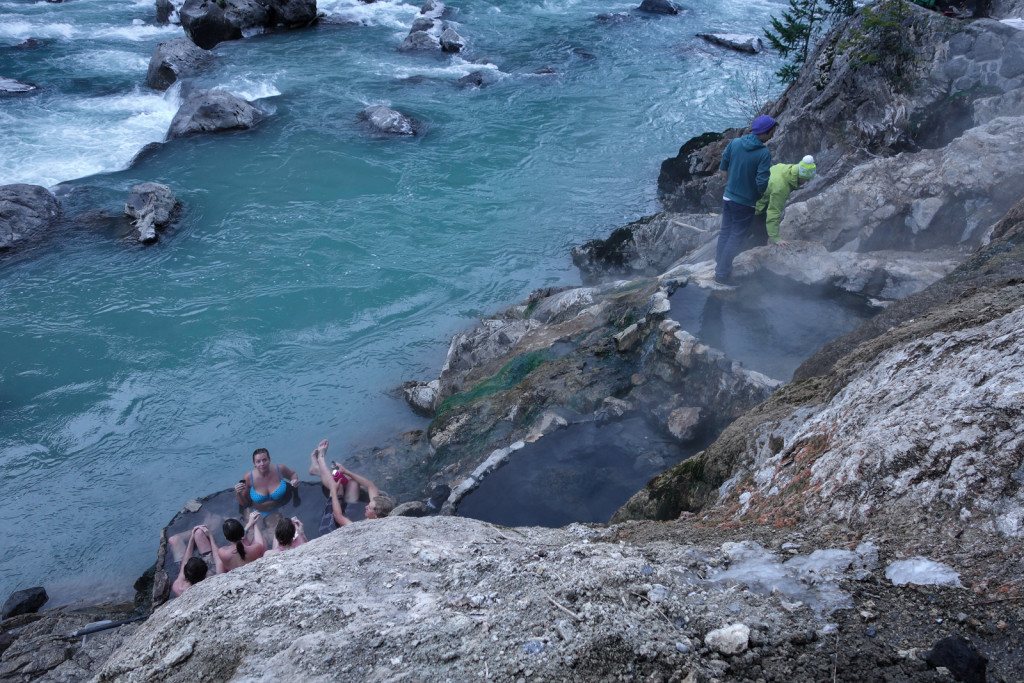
285,531
258,451
234,532
195,570
383,505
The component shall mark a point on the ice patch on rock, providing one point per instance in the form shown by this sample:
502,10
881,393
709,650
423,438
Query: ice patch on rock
923,572
811,579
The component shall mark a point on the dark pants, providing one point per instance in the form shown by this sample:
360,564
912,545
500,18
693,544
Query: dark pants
735,226
758,235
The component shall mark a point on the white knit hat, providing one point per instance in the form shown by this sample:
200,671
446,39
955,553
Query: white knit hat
805,169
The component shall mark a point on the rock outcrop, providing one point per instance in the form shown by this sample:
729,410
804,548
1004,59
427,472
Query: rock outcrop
26,212
447,598
174,59
920,414
151,206
919,200
206,111
843,112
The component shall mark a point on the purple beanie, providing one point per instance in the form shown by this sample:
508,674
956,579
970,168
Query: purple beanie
762,124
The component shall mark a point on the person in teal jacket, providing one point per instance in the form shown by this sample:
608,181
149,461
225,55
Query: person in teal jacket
783,179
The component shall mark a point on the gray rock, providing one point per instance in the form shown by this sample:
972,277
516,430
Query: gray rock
165,10
9,85
660,7
421,396
25,601
414,508
918,200
422,24
418,40
174,59
451,41
734,41
207,111
151,206
386,120
645,247
26,211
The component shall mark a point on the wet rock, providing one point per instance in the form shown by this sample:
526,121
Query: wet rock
205,111
421,396
151,206
209,22
9,85
451,41
477,79
26,212
734,41
388,121
660,7
165,11
418,40
960,657
174,59
24,601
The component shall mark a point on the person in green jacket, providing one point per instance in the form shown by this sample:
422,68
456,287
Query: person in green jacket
783,179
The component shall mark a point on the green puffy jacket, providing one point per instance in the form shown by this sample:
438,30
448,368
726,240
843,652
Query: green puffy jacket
781,182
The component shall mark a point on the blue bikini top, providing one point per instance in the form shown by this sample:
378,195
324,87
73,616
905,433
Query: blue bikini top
276,494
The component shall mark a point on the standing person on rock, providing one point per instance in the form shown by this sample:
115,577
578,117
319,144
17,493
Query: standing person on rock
746,163
784,178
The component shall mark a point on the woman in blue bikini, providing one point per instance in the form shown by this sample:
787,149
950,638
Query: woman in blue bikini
265,488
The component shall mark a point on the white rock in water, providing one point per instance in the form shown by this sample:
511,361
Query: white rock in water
923,572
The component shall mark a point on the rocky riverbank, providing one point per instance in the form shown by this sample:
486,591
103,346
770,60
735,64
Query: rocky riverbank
862,522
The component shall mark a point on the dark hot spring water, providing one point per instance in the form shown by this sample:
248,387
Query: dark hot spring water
315,267
585,472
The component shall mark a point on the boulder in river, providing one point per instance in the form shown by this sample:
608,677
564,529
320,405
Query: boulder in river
211,110
174,59
152,207
387,120
734,41
25,211
418,40
208,22
451,41
9,85
660,7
